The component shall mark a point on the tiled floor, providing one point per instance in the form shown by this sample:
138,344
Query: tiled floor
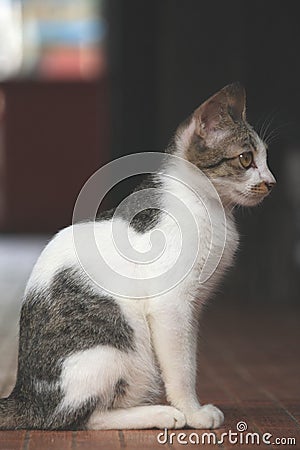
249,366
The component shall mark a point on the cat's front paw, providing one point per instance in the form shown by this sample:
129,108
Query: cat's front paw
207,417
169,417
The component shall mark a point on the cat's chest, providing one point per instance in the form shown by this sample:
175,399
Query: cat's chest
198,249
217,246
207,232
213,250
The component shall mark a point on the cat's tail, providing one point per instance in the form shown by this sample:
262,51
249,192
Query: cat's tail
9,416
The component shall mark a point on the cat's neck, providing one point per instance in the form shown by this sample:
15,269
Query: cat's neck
187,180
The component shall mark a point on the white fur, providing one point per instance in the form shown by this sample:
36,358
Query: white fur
164,325
96,371
154,416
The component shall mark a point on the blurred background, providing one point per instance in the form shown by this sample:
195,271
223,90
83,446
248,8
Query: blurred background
86,81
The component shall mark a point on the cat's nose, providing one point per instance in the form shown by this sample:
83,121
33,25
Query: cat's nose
270,185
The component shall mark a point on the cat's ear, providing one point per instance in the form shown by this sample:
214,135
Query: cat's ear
215,115
236,101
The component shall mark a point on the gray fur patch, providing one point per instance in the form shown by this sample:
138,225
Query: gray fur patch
120,391
64,319
147,218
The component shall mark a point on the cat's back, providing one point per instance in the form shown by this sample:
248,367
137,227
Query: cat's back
94,250
64,251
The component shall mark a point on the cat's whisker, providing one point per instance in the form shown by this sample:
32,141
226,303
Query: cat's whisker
273,139
265,127
269,119
275,133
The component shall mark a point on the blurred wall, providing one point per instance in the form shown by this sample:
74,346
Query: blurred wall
55,135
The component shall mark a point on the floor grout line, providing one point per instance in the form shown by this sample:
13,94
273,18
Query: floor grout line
74,440
26,440
121,439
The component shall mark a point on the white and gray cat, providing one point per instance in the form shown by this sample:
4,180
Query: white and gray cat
89,359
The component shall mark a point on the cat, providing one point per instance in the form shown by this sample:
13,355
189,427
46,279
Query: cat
89,359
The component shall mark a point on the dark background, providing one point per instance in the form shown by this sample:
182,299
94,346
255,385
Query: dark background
164,58
167,57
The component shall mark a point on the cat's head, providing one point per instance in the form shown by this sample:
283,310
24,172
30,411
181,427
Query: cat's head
219,141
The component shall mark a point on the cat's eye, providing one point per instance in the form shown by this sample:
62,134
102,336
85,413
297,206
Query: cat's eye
246,159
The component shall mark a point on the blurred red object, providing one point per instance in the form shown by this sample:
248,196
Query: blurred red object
72,63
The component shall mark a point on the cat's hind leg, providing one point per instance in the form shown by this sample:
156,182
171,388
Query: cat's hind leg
137,417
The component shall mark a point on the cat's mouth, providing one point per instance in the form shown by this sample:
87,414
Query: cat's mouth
252,197
262,189
254,194
245,197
